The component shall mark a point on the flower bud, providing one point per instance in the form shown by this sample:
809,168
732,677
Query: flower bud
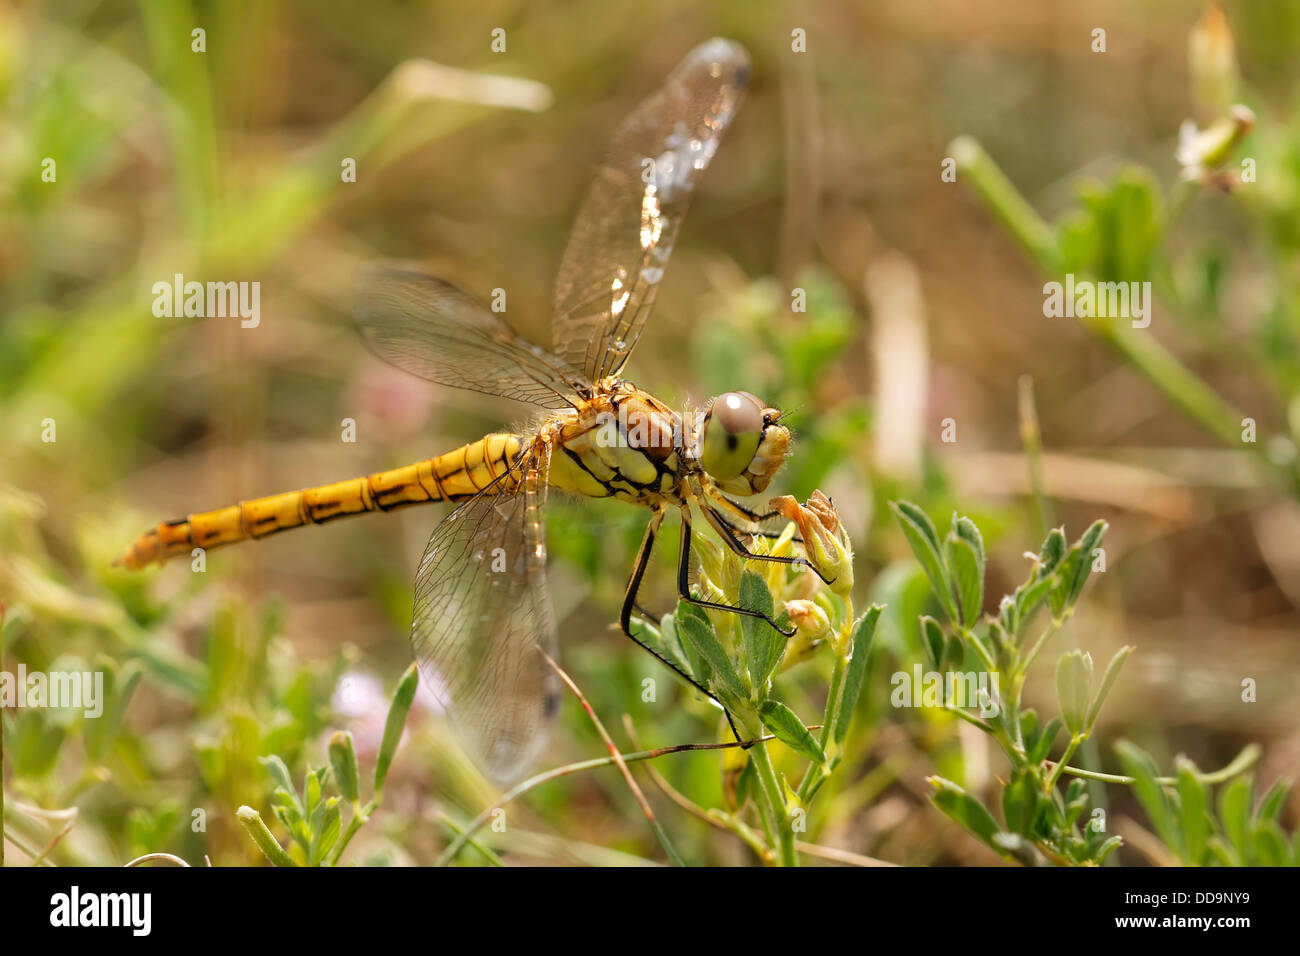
824,540
810,618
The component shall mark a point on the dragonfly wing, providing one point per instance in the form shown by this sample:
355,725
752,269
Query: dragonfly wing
433,330
626,227
482,614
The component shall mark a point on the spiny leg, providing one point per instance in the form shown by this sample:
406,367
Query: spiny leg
749,513
629,603
738,546
684,583
770,535
745,514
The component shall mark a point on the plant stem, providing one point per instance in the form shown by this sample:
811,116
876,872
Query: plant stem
360,816
1241,762
816,774
969,636
778,814
1070,748
1023,670
555,773
1144,352
1031,437
1006,202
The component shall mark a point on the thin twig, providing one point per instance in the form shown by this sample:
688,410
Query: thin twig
456,828
840,856
618,759
536,780
1249,754
1032,438
58,838
716,818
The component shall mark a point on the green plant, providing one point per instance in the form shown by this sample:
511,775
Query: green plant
314,820
1040,823
736,656
1185,819
1129,229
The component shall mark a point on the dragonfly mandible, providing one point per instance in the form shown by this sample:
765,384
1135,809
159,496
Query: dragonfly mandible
481,610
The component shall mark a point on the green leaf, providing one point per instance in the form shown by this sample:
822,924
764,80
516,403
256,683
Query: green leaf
662,641
1052,554
725,682
1076,800
745,787
280,777
395,723
699,667
954,652
312,792
1043,742
763,645
966,558
1269,845
326,827
863,632
932,640
330,833
1027,599
967,811
1139,765
1106,849
1085,546
790,730
1234,813
1270,808
968,578
119,687
1194,799
343,758
1107,682
1019,849
924,541
1074,687
1020,803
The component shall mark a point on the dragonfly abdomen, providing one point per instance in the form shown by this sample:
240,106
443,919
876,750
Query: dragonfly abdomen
455,476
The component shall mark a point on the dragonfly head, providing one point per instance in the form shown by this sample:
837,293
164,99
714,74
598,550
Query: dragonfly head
743,443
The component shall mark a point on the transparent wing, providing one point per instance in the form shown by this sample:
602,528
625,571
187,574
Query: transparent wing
433,330
626,227
481,615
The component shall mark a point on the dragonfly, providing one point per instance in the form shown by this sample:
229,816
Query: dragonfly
482,624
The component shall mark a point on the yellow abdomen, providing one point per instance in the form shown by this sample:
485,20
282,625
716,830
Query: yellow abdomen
454,476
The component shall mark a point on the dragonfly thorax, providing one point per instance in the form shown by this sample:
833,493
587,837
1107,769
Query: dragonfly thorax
625,443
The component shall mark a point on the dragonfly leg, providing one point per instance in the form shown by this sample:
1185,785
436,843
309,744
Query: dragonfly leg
684,584
735,544
630,604
770,535
747,514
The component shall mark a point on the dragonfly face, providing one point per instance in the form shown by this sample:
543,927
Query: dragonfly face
482,625
743,443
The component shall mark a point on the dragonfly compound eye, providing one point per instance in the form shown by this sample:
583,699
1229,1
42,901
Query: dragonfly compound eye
732,432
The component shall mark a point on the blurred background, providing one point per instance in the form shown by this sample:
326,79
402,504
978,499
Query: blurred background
922,305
